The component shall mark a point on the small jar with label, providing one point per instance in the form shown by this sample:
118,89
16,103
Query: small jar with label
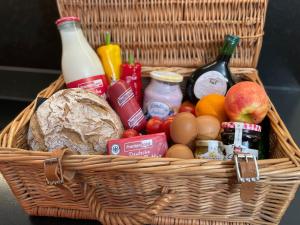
163,95
209,149
241,137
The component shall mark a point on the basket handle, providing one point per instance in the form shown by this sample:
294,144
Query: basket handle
56,176
145,217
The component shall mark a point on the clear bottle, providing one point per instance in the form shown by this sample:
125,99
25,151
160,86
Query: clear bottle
214,78
81,66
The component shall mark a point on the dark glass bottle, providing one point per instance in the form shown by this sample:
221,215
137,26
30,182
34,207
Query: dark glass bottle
214,78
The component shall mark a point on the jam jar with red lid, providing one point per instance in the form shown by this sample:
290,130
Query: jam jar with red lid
241,137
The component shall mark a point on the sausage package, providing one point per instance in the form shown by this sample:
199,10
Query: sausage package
152,145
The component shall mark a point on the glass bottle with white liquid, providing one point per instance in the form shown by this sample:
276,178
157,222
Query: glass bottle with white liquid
81,66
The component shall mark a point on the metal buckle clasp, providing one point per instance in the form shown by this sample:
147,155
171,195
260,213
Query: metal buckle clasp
51,162
240,156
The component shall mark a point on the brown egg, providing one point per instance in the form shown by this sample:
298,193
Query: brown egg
183,129
208,127
180,151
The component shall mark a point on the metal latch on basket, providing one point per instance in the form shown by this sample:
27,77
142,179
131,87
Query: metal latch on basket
246,157
54,164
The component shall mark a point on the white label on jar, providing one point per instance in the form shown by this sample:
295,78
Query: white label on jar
159,109
211,82
238,134
229,149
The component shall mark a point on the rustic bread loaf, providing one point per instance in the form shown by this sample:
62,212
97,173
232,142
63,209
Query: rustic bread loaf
74,118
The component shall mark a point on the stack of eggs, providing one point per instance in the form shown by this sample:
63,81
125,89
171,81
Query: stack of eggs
188,132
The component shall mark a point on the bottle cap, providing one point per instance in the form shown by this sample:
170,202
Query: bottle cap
232,39
66,19
166,76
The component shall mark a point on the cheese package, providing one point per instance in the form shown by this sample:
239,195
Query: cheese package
152,145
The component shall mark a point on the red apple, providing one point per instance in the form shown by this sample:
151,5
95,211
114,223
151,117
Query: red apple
246,102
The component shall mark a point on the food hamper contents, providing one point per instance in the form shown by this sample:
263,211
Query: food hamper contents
122,99
242,137
110,55
187,106
209,149
214,78
208,127
131,73
247,102
216,118
163,95
183,129
166,126
154,125
151,145
212,104
80,64
74,118
180,151
130,133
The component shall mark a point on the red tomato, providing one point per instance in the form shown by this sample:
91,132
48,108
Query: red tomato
166,126
187,107
130,133
154,125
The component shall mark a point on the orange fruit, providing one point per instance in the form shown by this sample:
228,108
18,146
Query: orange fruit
212,105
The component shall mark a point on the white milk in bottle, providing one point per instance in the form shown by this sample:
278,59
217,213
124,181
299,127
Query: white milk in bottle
81,66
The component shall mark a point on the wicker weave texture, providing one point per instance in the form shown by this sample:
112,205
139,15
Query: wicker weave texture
173,32
159,191
203,192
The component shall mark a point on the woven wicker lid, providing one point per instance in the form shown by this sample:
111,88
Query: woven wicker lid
173,32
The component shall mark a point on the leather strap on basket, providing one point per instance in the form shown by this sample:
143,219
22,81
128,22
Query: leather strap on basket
144,217
55,174
248,169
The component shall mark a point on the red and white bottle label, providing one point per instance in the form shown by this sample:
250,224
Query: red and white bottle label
97,84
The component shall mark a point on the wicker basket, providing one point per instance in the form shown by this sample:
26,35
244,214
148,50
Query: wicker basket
164,191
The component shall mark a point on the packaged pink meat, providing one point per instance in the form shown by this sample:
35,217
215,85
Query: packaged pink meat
152,145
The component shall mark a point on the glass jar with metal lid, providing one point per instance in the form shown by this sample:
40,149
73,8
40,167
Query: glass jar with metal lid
242,137
163,95
209,149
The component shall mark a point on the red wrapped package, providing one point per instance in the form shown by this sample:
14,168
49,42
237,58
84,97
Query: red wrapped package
122,100
152,145
131,73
